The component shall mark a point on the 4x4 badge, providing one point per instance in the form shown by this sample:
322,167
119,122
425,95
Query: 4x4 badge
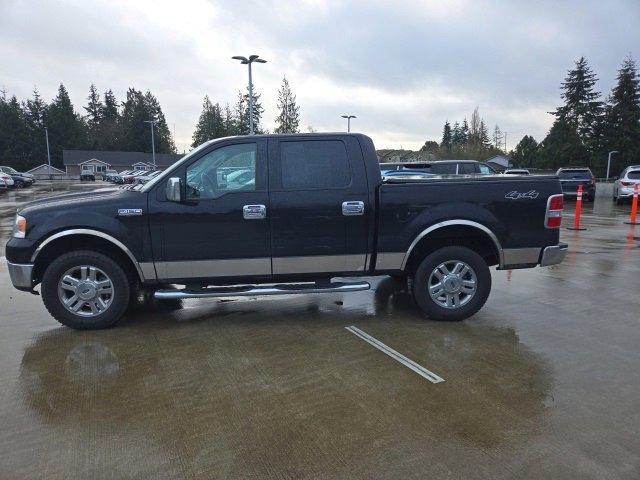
129,212
532,194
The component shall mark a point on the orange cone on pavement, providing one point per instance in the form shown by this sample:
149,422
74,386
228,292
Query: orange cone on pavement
576,218
634,207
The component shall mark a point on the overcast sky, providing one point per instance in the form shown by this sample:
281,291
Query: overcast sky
402,67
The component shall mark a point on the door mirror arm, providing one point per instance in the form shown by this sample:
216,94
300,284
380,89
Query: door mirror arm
174,190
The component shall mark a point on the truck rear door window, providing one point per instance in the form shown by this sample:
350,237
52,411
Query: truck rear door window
314,164
444,168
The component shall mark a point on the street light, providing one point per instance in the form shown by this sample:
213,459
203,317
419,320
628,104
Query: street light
609,162
349,117
46,135
249,61
153,143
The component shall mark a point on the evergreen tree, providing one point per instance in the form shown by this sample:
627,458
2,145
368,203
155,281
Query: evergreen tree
14,135
464,133
526,152
623,115
240,116
257,111
210,124
137,110
93,118
35,111
66,128
457,139
483,136
288,119
446,142
562,146
110,135
162,134
582,106
229,124
498,136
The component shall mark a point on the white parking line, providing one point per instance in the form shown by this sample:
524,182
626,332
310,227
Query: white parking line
407,362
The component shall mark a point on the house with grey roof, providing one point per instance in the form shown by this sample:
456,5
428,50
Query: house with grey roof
96,161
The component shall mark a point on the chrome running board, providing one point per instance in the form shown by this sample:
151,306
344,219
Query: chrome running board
259,290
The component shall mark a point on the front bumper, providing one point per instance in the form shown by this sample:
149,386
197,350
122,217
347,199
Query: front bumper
554,254
21,275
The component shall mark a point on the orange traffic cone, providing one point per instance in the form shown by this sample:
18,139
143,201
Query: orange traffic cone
634,207
576,218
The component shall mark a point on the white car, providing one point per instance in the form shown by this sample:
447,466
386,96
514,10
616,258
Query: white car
623,186
517,171
7,179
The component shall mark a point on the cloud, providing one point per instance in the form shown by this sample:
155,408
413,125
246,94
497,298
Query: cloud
402,67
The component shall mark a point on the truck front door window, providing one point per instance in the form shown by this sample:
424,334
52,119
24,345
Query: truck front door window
227,169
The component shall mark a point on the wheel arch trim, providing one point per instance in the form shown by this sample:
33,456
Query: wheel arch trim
95,233
449,223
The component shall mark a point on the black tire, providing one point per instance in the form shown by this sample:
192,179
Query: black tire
119,300
18,184
449,254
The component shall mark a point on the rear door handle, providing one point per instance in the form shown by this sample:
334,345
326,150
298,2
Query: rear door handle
254,212
352,208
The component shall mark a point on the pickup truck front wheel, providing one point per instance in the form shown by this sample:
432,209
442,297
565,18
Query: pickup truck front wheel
85,290
452,283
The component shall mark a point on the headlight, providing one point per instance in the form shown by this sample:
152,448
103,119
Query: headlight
20,227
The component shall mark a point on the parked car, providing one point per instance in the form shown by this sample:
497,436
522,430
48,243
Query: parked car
516,171
131,177
20,179
88,176
108,175
7,179
572,177
317,208
142,179
118,177
443,167
406,173
623,186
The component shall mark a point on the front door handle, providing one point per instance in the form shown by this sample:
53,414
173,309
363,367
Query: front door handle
352,208
254,212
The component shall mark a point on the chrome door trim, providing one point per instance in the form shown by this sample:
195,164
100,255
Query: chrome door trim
352,208
319,264
254,212
96,233
236,267
448,223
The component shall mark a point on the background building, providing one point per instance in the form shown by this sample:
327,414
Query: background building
95,161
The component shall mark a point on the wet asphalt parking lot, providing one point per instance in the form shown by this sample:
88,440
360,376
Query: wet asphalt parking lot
544,382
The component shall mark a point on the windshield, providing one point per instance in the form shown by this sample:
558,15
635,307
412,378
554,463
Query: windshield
9,170
577,173
149,185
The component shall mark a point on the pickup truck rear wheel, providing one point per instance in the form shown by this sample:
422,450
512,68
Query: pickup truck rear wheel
85,290
452,283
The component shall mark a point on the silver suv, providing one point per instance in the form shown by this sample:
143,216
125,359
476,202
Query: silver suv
623,186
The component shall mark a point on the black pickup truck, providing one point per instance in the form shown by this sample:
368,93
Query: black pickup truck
282,214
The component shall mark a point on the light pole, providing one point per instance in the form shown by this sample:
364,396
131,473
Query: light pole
46,135
153,143
609,162
349,117
249,61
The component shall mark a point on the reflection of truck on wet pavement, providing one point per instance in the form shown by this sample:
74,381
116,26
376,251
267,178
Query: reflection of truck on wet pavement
305,210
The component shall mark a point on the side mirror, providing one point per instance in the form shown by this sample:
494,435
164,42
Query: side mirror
173,190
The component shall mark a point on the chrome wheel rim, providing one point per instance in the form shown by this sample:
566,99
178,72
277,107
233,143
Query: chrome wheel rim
85,290
452,284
